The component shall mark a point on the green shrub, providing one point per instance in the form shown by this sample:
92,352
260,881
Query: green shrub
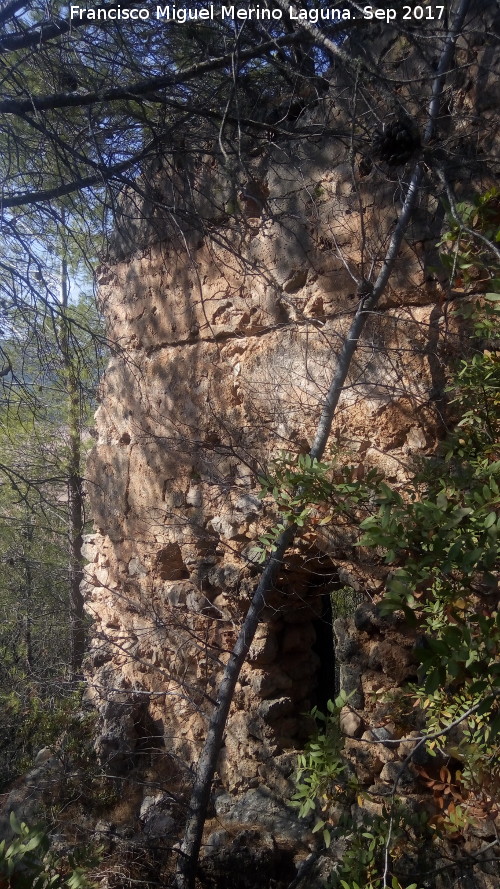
441,541
28,862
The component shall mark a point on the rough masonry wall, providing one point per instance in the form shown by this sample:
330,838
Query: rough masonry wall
225,354
226,325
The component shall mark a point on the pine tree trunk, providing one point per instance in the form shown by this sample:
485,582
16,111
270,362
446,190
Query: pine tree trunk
76,516
28,593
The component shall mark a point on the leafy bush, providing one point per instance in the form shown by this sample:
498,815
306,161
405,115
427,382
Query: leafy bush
31,722
28,862
319,778
441,540
326,788
310,493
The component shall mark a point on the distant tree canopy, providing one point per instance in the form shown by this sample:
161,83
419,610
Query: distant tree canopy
46,406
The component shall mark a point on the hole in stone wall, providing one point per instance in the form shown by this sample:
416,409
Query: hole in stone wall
148,738
305,640
334,599
318,575
324,648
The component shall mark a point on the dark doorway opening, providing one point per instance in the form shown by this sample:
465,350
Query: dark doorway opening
324,648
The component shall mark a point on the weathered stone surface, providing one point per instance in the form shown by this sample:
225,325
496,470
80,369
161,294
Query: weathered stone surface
368,760
367,618
227,333
275,709
157,816
350,684
346,645
260,807
385,734
350,723
117,741
394,656
418,751
398,774
264,648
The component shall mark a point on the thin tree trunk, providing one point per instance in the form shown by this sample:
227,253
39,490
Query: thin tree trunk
188,858
76,523
75,490
28,576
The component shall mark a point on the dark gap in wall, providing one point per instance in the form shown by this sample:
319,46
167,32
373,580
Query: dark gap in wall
323,647
321,576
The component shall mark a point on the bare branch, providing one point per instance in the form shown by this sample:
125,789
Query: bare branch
140,88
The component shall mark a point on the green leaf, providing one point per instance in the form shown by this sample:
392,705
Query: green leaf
33,843
495,726
15,825
486,705
442,500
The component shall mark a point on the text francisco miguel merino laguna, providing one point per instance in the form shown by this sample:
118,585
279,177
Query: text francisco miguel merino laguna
210,12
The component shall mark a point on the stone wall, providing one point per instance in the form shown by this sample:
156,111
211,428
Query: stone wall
226,325
225,353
